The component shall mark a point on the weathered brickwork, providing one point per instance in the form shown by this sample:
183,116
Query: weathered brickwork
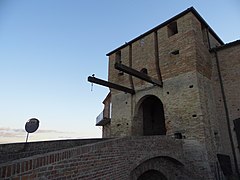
229,66
173,131
112,159
13,151
191,95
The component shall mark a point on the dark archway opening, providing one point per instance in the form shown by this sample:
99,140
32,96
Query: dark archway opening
152,175
153,116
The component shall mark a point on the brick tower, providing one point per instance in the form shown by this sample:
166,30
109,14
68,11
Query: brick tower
173,79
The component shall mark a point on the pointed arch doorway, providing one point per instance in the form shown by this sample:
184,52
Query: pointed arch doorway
151,116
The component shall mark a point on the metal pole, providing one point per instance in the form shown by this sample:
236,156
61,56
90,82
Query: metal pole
27,137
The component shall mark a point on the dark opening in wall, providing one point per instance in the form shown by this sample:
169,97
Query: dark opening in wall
225,164
178,135
194,115
236,123
144,70
151,113
176,52
152,174
172,29
191,86
118,59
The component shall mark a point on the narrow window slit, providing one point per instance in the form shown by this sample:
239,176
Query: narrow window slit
176,52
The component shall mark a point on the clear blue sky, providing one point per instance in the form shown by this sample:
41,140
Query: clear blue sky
49,47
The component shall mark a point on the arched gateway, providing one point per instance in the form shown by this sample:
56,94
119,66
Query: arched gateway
149,119
152,175
159,168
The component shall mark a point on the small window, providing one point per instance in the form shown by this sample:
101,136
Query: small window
178,135
118,57
144,70
172,29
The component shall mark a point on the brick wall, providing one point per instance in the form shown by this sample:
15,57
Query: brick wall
178,74
10,152
191,94
229,66
186,83
111,159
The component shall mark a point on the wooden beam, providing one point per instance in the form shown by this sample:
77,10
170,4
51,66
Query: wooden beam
137,74
110,85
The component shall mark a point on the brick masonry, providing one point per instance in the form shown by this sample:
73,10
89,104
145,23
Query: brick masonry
121,158
229,64
13,151
200,94
191,95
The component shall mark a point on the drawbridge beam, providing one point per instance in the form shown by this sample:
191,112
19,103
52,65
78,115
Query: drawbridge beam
110,85
137,74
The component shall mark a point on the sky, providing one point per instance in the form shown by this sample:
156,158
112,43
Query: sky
48,48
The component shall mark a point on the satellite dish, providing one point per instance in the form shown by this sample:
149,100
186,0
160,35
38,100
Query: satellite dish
31,126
